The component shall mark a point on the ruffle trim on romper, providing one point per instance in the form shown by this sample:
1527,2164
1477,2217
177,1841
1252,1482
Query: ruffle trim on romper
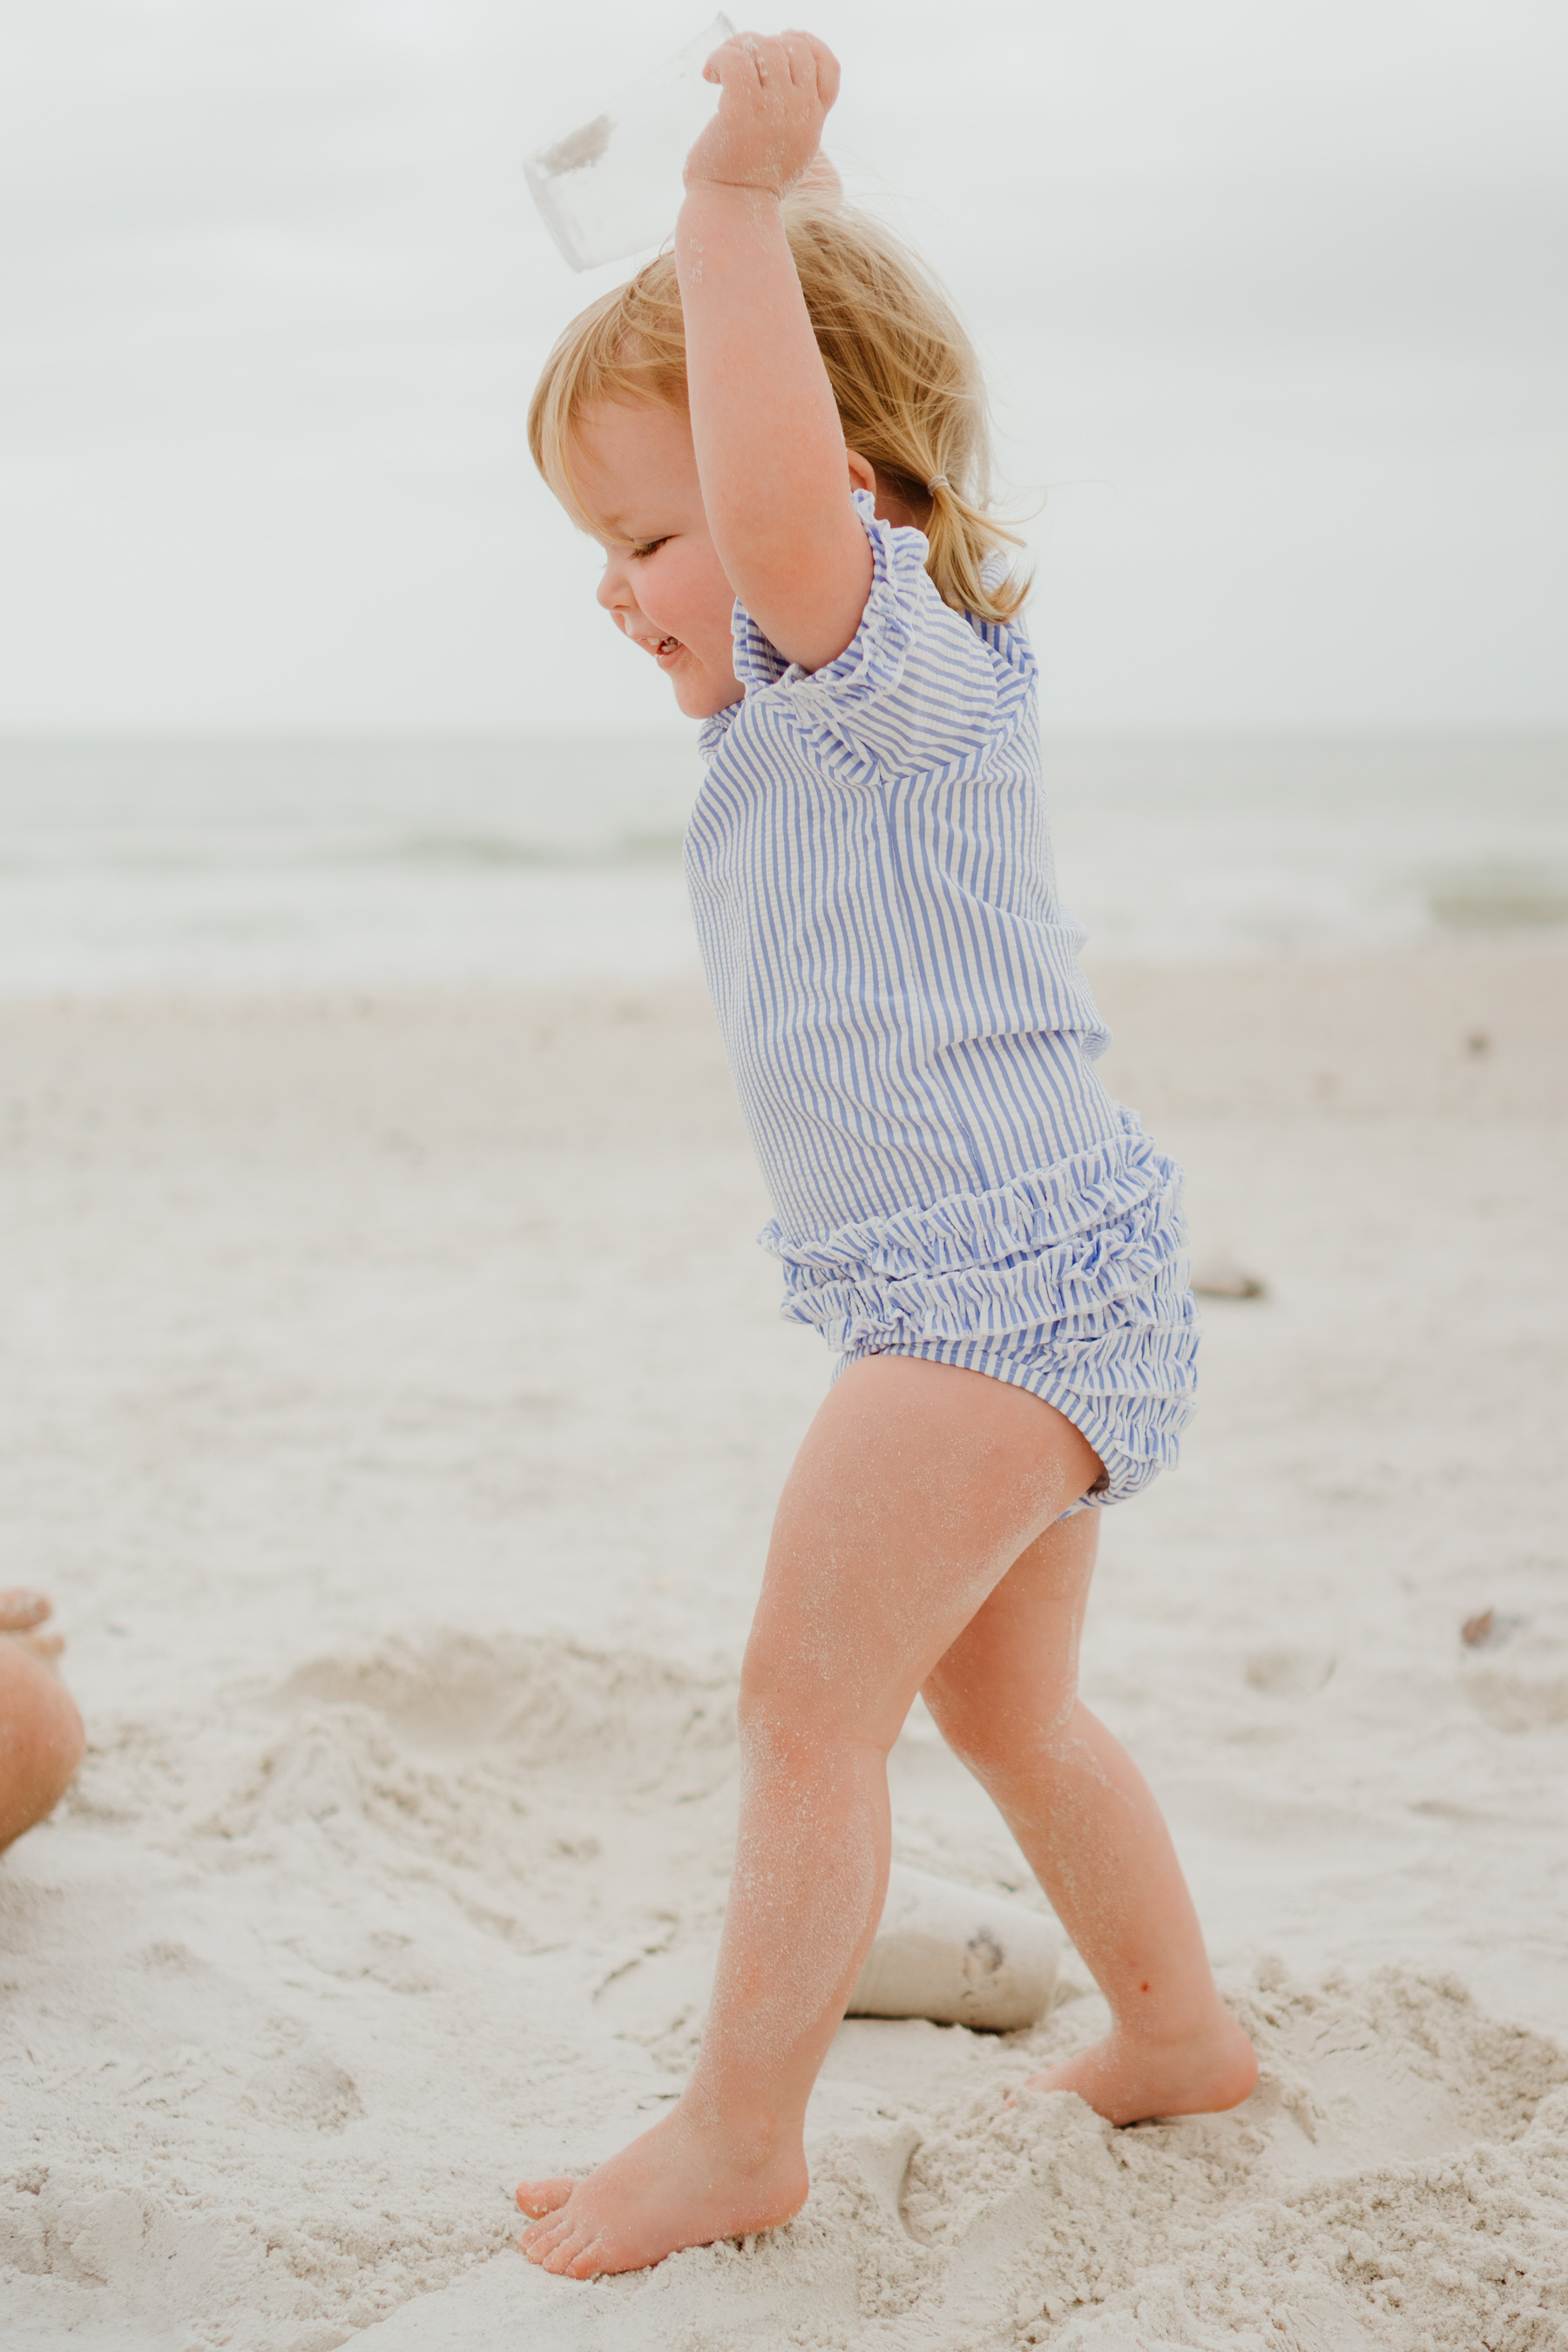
1071,1281
874,658
862,698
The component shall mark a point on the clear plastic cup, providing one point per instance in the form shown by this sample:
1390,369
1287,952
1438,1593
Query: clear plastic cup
613,187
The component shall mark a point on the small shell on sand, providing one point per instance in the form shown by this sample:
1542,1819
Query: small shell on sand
957,1955
1219,1278
1489,1629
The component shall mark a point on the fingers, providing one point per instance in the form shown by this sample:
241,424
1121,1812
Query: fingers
755,60
21,1610
813,65
774,91
736,64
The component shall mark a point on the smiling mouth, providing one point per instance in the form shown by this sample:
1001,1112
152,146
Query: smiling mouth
665,647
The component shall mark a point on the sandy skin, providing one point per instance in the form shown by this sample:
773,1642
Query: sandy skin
918,1546
41,1734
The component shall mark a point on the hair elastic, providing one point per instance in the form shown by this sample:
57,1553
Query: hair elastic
939,482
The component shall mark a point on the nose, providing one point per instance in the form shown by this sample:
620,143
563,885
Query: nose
614,589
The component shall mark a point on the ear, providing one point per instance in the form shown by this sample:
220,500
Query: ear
862,473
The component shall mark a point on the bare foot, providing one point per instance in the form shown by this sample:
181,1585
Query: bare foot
1131,2082
681,2184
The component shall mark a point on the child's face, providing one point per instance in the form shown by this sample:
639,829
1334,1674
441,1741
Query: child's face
636,470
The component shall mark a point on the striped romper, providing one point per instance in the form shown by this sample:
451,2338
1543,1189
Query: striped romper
911,1033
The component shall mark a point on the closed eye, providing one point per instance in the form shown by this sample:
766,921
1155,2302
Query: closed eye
645,546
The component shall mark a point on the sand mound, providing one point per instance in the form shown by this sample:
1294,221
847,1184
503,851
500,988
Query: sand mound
1401,2178
419,1917
352,1865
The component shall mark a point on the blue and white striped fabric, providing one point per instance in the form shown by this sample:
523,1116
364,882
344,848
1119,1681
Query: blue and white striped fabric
911,1033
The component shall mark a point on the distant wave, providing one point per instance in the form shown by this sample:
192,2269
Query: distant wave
217,866
498,849
216,851
1499,898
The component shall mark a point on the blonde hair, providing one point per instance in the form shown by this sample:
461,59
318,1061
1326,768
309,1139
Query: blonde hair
903,372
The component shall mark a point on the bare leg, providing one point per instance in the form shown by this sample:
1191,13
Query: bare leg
917,1487
41,1735
1005,1696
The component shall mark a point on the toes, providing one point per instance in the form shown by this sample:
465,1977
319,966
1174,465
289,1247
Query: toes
541,2197
572,2257
545,2237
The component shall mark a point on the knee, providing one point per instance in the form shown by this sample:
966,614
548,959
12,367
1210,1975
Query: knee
793,1699
780,1698
970,1729
988,1724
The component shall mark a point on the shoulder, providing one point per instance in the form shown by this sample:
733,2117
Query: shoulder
917,686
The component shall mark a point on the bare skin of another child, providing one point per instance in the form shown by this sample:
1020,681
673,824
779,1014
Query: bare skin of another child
41,1734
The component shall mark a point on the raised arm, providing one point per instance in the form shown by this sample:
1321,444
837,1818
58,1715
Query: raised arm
770,449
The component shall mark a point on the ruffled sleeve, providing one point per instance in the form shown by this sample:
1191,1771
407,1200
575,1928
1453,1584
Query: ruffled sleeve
915,685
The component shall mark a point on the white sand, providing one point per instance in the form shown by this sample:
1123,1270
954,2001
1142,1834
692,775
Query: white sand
395,1406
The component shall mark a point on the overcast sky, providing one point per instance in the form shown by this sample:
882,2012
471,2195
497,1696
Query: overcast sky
1273,296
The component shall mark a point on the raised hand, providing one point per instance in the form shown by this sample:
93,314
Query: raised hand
768,441
775,94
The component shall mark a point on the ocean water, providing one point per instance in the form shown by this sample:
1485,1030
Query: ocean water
237,868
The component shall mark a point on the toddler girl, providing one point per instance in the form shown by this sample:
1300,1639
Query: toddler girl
778,437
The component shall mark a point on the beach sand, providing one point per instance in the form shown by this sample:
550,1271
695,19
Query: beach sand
395,1405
